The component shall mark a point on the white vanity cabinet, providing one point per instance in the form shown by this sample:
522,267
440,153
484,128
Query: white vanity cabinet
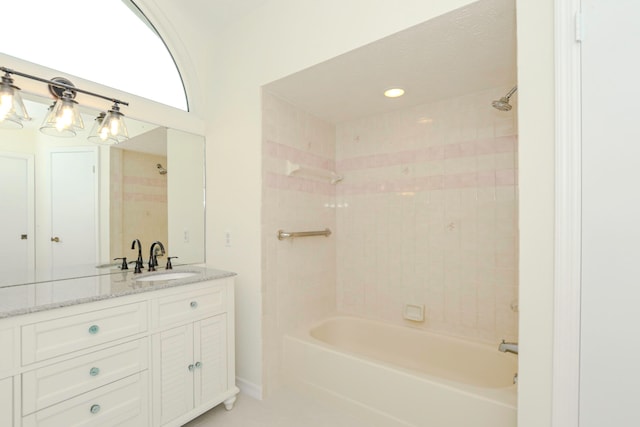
6,402
158,357
192,354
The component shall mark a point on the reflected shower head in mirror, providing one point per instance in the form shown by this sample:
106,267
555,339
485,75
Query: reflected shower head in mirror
161,170
502,104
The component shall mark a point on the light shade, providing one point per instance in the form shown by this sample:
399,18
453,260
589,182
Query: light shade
12,110
63,118
109,127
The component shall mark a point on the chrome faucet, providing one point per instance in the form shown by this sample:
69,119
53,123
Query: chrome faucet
153,254
139,262
508,347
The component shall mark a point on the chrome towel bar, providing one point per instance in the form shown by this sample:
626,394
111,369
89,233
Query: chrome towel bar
291,234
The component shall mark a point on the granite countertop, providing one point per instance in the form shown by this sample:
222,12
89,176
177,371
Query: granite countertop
30,298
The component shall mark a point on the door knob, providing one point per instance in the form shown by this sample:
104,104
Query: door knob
55,239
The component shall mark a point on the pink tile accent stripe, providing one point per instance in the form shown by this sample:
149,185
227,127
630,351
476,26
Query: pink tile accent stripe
147,182
281,151
142,197
499,178
464,149
294,183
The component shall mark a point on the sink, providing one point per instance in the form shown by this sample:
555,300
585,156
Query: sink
174,275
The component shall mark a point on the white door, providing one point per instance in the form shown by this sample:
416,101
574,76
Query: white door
74,231
610,307
17,225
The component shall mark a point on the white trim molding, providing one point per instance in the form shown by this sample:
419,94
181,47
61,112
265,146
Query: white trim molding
566,366
249,388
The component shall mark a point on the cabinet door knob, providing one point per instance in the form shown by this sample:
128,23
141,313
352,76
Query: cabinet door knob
94,371
95,409
55,239
198,364
194,304
191,368
93,329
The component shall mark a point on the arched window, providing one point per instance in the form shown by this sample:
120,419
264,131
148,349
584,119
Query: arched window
108,42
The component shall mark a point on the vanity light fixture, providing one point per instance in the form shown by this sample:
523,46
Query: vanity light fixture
12,110
63,118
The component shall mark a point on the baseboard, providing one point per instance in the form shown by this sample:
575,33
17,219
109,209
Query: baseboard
249,388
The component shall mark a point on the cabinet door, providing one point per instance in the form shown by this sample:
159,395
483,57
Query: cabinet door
6,402
210,353
172,376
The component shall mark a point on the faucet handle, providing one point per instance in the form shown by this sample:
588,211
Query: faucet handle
169,266
124,265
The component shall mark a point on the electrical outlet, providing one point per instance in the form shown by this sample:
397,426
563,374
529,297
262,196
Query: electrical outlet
186,236
227,239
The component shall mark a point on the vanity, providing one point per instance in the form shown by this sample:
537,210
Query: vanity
84,341
151,349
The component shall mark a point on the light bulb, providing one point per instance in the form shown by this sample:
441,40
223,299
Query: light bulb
104,133
6,102
114,125
65,118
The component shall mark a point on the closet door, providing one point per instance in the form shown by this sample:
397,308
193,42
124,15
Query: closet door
74,237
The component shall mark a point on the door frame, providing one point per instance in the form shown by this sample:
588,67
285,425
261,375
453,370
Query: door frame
568,219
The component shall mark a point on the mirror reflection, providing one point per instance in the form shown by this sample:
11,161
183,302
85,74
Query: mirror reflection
71,207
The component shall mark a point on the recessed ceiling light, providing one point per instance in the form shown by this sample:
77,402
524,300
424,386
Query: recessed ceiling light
394,92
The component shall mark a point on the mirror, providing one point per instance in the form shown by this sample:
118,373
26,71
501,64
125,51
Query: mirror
71,206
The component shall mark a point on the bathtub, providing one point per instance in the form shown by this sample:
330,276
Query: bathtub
404,376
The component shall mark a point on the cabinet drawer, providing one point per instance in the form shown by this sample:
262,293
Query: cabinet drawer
43,340
189,306
123,403
52,384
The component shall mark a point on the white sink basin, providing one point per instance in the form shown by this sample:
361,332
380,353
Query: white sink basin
174,275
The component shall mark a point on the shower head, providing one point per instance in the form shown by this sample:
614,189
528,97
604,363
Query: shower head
502,104
161,170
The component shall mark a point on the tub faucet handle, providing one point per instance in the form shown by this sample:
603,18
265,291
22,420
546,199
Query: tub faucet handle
508,347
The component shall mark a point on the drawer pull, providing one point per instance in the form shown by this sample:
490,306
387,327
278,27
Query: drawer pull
198,364
95,409
191,368
94,371
93,329
194,304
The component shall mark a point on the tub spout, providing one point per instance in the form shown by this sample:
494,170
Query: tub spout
508,347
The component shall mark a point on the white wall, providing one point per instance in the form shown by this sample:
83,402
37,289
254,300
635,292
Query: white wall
185,196
277,39
609,372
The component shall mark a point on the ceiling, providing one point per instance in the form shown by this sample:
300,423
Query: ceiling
465,51
209,13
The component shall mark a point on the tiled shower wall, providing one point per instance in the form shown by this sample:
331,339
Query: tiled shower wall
427,215
299,275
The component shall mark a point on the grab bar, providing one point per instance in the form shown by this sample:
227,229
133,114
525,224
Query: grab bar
291,234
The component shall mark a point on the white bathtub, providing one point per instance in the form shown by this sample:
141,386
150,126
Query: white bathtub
406,376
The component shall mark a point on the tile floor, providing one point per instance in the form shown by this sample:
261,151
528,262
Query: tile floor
284,408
